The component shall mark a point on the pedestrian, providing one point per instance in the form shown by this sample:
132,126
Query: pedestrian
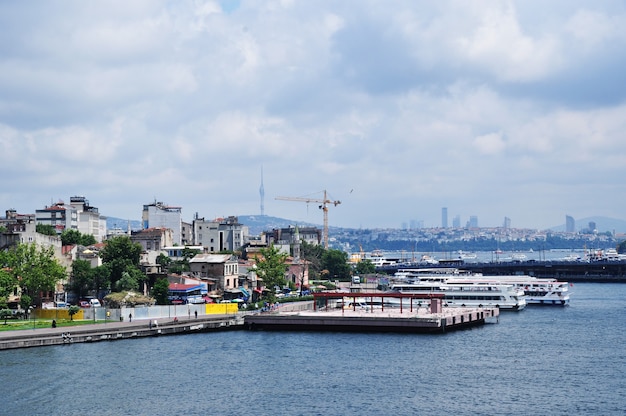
54,323
196,313
130,317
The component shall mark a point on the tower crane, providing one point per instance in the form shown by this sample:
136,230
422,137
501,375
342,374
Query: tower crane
324,207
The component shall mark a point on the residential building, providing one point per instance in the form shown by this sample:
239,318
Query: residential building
153,242
159,215
89,219
223,269
221,234
60,216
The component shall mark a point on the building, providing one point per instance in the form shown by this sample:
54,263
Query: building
570,224
223,269
89,219
221,234
60,216
507,223
456,221
159,215
444,217
153,242
473,222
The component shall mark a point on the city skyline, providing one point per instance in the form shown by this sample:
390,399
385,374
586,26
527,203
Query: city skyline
492,109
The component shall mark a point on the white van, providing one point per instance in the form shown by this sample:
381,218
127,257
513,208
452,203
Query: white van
95,303
356,280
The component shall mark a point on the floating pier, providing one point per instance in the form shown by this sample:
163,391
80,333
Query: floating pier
366,312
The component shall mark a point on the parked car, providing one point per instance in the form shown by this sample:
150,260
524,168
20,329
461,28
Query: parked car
84,304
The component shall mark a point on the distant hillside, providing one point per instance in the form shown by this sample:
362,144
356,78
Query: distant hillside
603,224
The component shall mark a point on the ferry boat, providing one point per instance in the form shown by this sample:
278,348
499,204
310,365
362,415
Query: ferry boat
538,291
504,297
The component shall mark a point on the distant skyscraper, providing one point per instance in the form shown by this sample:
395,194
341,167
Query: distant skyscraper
262,194
456,221
570,224
507,222
473,222
444,217
592,226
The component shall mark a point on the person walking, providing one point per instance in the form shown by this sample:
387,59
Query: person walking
130,317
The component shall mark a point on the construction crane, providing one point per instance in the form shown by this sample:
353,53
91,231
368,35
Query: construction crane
324,207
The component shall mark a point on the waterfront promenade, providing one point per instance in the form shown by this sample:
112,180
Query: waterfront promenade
115,330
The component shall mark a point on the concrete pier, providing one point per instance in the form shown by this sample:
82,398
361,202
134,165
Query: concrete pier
376,320
113,331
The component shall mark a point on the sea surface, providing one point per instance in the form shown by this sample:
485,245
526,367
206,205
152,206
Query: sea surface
540,361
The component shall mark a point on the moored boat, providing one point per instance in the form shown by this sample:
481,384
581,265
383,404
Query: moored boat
502,296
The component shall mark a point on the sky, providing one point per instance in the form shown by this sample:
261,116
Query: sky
396,108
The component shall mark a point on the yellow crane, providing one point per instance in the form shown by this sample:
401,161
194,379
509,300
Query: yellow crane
324,207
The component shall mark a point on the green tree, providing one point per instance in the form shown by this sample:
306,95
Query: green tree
82,278
128,281
336,262
72,237
271,267
7,283
73,310
312,253
365,267
45,229
160,291
621,247
35,268
120,255
5,313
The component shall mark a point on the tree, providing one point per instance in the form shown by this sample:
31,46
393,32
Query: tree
35,268
5,313
336,262
365,267
271,267
312,253
72,237
160,291
45,229
621,247
120,255
8,283
81,280
73,310
128,282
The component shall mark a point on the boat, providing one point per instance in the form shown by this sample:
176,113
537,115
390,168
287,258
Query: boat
537,291
470,295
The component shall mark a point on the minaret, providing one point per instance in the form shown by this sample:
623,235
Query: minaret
262,193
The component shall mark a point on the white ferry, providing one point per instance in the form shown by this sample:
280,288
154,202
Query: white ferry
505,297
538,291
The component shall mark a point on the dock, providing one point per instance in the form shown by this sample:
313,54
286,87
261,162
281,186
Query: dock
367,317
113,331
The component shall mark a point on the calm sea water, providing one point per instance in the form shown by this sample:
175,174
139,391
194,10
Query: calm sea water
541,361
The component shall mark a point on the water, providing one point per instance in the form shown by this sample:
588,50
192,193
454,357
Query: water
541,361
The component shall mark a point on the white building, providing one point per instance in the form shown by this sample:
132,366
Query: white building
89,219
221,234
159,215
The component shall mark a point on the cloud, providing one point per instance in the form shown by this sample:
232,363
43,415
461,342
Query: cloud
479,107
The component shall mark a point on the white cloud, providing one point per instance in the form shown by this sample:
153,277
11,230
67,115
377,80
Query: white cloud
414,106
